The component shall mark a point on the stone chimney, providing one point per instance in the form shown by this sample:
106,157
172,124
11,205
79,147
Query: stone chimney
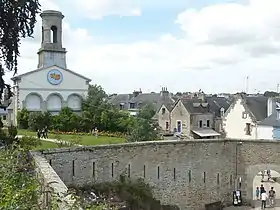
137,93
164,92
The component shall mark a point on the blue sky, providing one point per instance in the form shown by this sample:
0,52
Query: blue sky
185,45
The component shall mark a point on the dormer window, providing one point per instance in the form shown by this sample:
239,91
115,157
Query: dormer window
222,112
163,111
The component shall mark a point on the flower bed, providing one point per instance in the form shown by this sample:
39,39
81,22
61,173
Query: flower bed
100,133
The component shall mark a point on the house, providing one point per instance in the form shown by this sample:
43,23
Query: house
135,101
269,128
197,117
244,114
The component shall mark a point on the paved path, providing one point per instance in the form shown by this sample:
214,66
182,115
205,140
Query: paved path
50,140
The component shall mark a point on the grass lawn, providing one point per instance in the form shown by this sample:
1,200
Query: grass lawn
46,145
85,139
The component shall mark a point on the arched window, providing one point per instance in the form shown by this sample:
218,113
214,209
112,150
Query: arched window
42,34
53,34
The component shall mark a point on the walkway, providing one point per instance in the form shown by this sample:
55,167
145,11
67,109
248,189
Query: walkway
51,140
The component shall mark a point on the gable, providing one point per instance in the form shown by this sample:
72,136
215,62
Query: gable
179,108
52,78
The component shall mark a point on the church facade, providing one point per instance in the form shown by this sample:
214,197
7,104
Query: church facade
52,85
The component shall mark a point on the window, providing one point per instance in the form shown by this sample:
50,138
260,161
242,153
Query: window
190,176
174,173
158,172
167,126
121,106
248,129
163,111
4,117
208,123
53,34
144,172
222,112
200,123
244,115
132,105
204,177
112,170
218,178
128,174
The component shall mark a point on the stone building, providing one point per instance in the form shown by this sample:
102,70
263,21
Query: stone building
50,87
197,117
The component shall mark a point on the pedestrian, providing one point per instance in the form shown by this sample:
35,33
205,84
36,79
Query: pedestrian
258,193
46,132
268,174
38,133
271,197
43,133
264,197
262,176
262,189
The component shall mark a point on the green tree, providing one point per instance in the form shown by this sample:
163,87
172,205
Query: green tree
38,120
147,112
17,21
23,117
93,106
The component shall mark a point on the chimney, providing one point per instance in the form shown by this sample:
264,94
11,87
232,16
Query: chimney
164,92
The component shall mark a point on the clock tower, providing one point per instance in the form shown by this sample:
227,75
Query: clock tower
51,52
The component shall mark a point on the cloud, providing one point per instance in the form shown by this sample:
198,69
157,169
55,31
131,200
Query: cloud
99,8
222,44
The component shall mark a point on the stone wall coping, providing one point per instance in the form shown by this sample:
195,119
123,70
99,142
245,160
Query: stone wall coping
52,181
151,143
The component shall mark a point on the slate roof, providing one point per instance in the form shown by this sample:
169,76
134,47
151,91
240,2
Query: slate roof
271,121
216,103
189,105
257,106
120,98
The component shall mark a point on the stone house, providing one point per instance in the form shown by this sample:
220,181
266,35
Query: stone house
199,117
244,115
135,101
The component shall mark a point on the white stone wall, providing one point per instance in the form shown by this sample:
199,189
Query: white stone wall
265,132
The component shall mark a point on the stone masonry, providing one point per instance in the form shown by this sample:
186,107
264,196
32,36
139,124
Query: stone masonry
189,174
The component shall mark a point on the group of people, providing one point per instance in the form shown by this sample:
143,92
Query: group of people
42,133
262,194
268,172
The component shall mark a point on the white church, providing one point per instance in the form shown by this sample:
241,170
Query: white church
51,86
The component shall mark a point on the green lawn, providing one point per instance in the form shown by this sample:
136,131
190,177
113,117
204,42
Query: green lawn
85,139
46,145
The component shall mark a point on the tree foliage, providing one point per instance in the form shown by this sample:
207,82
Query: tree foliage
17,21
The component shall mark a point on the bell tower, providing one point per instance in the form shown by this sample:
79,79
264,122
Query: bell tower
51,52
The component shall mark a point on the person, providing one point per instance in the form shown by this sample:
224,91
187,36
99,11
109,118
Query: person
257,193
268,174
38,133
46,132
261,189
262,176
271,196
263,198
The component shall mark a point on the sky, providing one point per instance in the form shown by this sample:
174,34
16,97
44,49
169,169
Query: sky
184,45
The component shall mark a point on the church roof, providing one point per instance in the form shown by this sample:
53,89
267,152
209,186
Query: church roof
37,70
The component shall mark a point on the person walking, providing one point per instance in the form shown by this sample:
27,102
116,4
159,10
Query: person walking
264,197
258,193
268,174
271,197
46,132
261,189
